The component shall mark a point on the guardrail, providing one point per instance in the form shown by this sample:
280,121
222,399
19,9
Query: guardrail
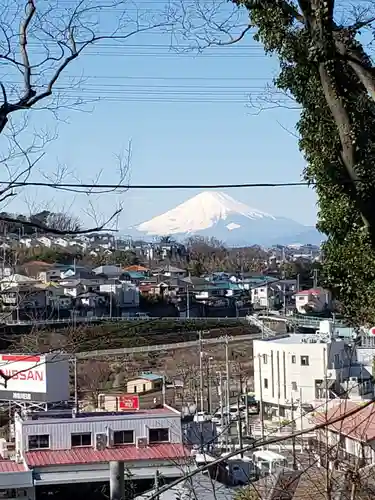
96,319
314,320
166,347
266,331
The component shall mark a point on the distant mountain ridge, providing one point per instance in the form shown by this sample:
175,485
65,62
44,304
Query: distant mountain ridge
216,214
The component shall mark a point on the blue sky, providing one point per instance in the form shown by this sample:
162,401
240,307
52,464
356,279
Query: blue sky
144,92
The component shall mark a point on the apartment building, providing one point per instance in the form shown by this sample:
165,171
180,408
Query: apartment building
305,369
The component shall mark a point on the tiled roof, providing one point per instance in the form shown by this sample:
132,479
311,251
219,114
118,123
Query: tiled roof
9,466
90,455
359,426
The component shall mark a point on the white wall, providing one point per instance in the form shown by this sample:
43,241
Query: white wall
280,370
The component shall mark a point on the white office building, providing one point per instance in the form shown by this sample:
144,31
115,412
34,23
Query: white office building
305,370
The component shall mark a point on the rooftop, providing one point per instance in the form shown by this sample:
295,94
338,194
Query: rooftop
295,338
87,455
64,415
9,466
360,426
311,291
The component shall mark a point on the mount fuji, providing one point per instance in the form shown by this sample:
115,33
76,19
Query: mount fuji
216,214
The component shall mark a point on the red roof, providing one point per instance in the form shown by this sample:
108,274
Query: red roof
9,466
359,426
312,291
90,455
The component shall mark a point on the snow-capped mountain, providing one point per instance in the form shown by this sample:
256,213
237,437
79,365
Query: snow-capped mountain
216,214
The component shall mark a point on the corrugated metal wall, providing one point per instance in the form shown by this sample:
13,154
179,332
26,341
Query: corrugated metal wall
60,430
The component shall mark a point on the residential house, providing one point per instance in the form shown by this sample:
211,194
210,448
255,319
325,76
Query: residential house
51,274
45,241
15,281
123,294
110,271
136,268
56,299
312,481
61,242
306,368
169,271
74,287
351,440
146,382
315,300
136,277
24,301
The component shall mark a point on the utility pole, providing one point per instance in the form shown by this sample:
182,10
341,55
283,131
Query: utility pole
209,392
315,278
163,391
239,420
187,302
227,372
156,484
298,283
246,410
76,404
116,481
221,400
201,371
261,397
293,437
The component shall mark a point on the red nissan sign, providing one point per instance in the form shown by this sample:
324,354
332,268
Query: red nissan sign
128,402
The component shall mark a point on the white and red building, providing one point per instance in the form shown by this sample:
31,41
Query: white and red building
62,447
313,300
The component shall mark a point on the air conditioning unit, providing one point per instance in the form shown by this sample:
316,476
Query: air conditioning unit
110,436
100,441
141,442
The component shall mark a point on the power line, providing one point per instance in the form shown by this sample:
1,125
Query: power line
159,186
258,444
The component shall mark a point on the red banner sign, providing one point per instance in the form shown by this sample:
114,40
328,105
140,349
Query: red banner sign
128,402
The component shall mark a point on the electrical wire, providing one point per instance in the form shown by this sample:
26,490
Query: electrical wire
258,444
163,186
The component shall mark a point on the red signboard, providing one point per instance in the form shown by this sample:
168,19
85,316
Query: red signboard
372,330
128,402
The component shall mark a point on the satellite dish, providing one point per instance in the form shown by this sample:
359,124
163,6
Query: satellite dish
372,330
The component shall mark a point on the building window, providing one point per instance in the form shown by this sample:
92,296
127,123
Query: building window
38,442
336,361
266,383
304,361
123,437
83,439
158,435
135,389
265,359
293,359
294,386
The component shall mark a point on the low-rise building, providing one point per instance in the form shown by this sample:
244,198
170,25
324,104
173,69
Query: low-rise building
306,368
351,439
58,447
146,382
314,300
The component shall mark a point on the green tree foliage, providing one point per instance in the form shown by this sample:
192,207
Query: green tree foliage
337,137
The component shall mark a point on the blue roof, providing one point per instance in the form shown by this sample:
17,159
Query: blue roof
150,376
135,274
